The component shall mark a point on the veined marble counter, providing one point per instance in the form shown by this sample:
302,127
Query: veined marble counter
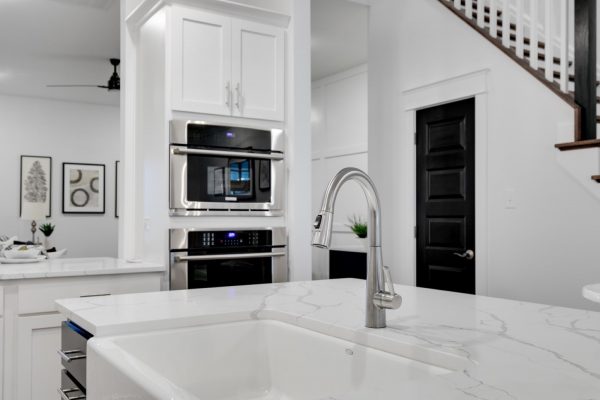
62,267
499,349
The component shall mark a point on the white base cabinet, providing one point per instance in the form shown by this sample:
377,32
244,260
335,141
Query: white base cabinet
38,364
226,66
31,327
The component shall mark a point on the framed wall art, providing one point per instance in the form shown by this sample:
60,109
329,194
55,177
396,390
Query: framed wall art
83,188
36,183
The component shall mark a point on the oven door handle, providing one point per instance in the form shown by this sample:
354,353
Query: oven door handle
224,153
228,256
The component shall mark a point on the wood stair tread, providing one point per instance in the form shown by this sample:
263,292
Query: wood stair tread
596,178
580,144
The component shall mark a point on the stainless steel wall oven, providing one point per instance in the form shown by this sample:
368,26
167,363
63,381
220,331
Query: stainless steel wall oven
227,257
223,169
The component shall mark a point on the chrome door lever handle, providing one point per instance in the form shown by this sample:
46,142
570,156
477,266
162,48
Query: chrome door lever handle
468,255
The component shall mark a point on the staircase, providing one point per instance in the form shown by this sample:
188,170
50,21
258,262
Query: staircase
507,25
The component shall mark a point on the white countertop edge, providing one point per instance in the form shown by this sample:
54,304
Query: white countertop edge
56,268
592,292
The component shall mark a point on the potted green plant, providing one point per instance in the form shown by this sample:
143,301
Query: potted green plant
358,226
47,229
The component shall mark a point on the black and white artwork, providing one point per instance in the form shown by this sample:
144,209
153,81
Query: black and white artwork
36,183
83,188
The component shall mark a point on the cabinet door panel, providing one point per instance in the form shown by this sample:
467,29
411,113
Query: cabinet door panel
38,364
258,68
201,62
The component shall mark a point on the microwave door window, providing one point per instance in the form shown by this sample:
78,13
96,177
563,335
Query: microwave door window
226,179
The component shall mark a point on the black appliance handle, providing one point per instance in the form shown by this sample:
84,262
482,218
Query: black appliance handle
227,153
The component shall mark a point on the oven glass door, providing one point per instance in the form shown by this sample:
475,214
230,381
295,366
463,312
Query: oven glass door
229,271
228,179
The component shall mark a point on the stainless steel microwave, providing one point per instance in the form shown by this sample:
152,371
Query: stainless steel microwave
225,169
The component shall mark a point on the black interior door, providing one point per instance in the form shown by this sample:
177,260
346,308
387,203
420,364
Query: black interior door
446,197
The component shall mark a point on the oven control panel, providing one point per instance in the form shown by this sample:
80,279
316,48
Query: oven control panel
205,239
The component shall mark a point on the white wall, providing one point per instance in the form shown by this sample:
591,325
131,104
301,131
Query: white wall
67,132
339,140
546,248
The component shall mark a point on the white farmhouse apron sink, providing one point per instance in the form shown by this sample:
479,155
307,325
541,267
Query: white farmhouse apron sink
245,360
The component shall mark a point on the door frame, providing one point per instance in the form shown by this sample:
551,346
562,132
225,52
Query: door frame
432,94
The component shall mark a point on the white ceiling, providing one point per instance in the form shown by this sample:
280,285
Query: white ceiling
58,42
339,31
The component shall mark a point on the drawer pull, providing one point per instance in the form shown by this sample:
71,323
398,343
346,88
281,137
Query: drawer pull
64,394
70,355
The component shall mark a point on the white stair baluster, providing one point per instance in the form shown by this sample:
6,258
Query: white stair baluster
564,45
533,34
493,19
519,23
480,13
548,40
469,8
505,23
457,4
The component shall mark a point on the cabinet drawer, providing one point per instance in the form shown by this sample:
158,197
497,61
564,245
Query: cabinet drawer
69,390
73,351
38,295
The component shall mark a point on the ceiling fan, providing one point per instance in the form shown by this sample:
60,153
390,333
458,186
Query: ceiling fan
114,83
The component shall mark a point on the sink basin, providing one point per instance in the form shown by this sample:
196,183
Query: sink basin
245,360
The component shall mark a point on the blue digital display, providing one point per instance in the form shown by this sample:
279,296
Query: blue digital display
231,235
230,134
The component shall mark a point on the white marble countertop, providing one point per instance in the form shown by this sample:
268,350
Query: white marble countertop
500,349
62,267
592,292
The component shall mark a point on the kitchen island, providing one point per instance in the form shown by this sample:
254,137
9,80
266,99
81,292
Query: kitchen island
492,348
30,323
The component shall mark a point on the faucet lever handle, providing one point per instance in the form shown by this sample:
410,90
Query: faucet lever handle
387,298
387,280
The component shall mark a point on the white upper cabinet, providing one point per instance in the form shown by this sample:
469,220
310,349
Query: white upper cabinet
227,66
258,61
201,62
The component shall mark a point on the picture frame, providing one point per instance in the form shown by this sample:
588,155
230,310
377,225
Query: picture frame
35,182
84,188
117,189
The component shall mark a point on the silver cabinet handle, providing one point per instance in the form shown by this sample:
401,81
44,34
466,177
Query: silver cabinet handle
238,96
70,355
468,255
237,154
228,94
228,256
64,394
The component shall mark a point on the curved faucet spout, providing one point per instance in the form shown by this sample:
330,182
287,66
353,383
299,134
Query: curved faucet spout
380,289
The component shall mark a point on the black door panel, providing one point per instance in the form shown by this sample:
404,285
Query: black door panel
446,196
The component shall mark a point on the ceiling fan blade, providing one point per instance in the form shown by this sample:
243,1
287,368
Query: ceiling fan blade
73,86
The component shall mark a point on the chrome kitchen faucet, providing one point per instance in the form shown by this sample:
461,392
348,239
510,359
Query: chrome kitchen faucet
380,288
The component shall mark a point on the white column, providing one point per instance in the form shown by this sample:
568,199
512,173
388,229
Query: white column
299,218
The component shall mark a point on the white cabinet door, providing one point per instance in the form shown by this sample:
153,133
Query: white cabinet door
38,364
201,62
258,70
